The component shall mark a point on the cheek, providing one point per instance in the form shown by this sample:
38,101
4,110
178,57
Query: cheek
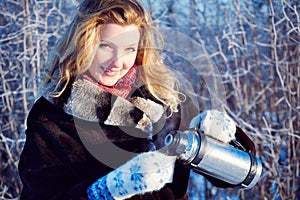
102,57
130,60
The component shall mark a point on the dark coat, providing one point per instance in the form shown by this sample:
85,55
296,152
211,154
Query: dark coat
56,162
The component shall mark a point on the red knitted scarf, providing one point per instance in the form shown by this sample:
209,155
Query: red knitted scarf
123,86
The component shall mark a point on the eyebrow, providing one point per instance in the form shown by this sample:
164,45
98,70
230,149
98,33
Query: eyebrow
129,45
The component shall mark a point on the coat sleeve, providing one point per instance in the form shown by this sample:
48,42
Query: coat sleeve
55,165
43,181
52,164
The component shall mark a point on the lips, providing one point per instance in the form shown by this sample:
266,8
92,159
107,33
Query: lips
109,72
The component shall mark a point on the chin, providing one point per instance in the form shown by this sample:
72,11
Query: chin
108,83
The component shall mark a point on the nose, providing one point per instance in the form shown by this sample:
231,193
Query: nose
118,60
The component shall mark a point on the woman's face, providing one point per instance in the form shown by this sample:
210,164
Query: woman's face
116,53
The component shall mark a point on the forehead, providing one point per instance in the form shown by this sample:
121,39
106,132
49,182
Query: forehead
120,35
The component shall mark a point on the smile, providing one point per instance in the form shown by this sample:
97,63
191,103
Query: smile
109,72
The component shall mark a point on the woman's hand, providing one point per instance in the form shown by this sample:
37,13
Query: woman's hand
146,172
215,124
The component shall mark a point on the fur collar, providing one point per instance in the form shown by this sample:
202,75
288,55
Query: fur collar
89,102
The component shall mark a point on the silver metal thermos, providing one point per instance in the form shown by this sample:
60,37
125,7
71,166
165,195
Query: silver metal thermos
214,158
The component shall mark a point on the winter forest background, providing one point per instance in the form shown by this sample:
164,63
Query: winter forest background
254,44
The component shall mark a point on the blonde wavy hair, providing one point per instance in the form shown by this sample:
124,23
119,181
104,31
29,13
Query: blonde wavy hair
74,52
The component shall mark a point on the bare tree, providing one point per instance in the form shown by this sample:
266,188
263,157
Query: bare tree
255,46
28,30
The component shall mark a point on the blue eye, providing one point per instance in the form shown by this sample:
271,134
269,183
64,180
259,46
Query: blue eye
103,45
131,49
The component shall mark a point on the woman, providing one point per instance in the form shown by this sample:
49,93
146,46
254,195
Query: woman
107,99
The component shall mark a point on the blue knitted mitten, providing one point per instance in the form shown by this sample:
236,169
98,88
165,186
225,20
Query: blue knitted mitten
146,172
